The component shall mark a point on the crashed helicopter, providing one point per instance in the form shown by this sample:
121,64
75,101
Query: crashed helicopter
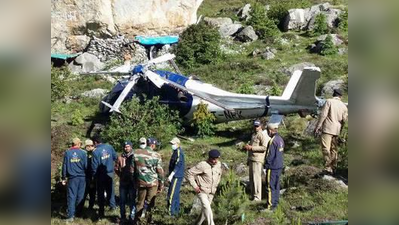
185,93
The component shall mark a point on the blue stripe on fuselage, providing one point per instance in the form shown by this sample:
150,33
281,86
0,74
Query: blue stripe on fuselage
177,78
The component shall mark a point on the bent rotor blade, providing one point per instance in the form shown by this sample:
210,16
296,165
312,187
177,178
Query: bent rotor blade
193,92
106,72
122,96
160,59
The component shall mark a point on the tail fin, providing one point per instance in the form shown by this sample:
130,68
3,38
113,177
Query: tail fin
301,88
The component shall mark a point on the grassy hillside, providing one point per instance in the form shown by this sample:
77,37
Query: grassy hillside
307,198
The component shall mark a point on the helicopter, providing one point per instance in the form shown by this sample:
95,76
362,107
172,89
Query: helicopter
184,93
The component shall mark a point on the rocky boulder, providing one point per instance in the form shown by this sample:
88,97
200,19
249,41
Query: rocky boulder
84,63
106,18
318,45
229,29
330,86
218,22
300,66
95,93
247,35
244,12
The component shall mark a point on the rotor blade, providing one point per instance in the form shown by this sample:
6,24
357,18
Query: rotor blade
155,78
193,92
162,58
106,72
122,96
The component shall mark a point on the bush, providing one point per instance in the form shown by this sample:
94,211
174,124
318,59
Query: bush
263,26
320,25
343,21
328,47
232,201
149,119
203,121
59,86
77,118
275,90
199,44
246,88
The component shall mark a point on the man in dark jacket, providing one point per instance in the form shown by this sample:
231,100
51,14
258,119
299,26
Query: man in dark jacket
176,174
127,189
273,166
74,168
103,171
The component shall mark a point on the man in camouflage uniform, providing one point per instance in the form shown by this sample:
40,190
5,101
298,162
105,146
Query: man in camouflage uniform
256,157
150,177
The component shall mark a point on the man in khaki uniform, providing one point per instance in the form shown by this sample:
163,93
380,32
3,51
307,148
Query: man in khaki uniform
331,121
256,157
205,177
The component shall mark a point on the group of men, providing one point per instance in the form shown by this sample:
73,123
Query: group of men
142,176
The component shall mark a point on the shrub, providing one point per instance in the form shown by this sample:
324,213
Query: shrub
77,118
263,26
203,121
320,25
147,119
246,88
328,47
275,90
232,201
59,86
343,21
199,44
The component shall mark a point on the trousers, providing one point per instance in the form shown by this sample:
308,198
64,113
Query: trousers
206,212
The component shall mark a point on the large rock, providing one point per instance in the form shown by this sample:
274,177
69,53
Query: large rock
95,93
229,29
247,35
218,21
330,86
77,43
304,19
106,18
244,12
300,66
86,62
318,45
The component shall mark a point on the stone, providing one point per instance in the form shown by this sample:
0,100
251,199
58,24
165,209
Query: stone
268,54
229,29
244,12
218,21
86,62
339,183
300,66
247,35
77,43
331,85
241,169
295,20
95,93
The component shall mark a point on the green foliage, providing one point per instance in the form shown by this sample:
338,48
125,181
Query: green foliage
203,120
77,118
279,9
276,89
263,26
232,201
246,88
278,216
320,25
343,21
59,86
150,119
199,44
328,46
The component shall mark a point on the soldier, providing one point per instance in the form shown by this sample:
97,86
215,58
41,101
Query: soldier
176,174
90,183
273,166
127,188
103,172
331,121
205,178
74,168
150,177
256,156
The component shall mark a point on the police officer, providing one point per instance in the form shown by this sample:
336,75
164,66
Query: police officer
90,183
103,171
256,156
149,174
74,169
127,189
176,174
273,166
205,178
331,121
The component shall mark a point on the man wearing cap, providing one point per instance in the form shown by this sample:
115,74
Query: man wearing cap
150,177
273,166
74,168
143,143
90,183
256,157
176,174
103,172
332,118
127,188
205,178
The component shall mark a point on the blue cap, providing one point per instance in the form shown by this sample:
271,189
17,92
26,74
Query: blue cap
214,153
257,123
128,143
152,141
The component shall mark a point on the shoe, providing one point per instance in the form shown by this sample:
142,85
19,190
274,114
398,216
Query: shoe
69,220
